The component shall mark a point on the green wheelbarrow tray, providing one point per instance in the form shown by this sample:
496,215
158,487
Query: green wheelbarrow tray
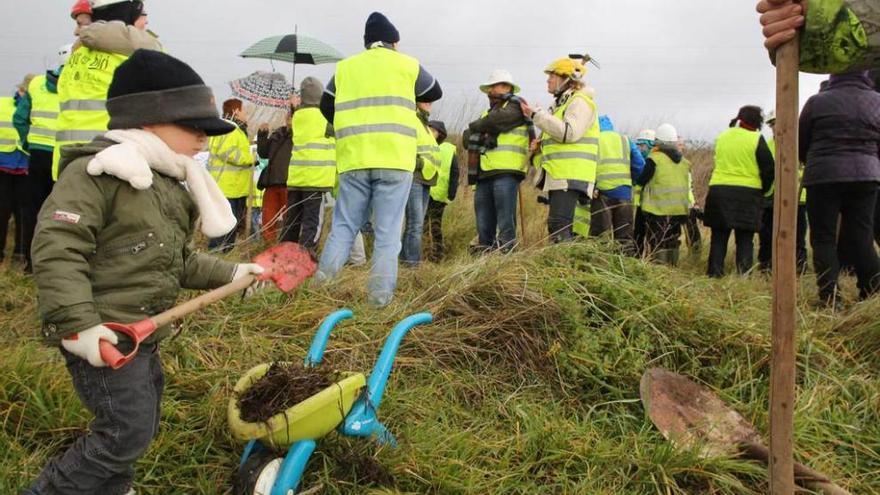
311,419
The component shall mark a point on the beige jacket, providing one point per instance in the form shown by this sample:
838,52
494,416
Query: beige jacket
574,123
117,37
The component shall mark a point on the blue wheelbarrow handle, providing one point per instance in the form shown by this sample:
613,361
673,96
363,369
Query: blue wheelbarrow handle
361,421
319,342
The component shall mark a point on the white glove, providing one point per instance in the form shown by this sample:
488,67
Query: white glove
85,344
244,269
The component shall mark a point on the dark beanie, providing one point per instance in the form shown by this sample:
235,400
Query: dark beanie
154,88
379,28
440,127
127,12
751,115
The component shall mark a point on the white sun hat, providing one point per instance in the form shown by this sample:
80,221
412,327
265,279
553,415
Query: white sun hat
499,76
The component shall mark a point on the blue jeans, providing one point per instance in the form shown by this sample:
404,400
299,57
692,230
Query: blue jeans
495,205
383,192
416,206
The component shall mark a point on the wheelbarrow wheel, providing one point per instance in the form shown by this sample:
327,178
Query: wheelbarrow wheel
258,474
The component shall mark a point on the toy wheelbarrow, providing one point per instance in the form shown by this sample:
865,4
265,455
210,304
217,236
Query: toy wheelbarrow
349,405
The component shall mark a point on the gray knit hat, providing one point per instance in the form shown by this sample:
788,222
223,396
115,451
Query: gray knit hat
154,88
310,90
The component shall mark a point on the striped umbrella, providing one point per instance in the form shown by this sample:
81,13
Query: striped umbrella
294,48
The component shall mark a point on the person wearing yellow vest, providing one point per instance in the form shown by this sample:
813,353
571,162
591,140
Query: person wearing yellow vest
118,30
35,119
424,177
645,143
13,177
569,144
371,101
692,234
665,190
231,163
743,173
312,168
498,147
620,163
765,235
443,192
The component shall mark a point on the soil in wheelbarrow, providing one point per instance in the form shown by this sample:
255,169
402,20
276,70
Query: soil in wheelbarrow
283,386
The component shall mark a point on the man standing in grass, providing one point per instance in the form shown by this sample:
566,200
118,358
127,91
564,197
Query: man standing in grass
371,102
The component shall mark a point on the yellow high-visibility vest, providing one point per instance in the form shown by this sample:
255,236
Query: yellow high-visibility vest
82,97
613,170
313,161
9,139
45,106
375,115
510,154
573,161
735,161
440,191
666,194
231,163
429,157
582,220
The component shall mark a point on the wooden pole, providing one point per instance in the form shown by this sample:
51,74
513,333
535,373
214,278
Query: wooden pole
522,215
782,373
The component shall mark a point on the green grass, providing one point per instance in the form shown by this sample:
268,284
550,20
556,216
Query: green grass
527,381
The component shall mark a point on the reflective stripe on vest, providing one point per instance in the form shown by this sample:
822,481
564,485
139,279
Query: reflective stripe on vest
573,161
44,113
735,160
375,119
613,170
440,191
666,194
582,219
429,153
82,95
511,152
230,163
313,161
9,139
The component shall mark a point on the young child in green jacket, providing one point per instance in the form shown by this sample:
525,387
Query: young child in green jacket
113,244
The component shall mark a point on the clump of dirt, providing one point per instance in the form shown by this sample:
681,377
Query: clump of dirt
283,386
366,469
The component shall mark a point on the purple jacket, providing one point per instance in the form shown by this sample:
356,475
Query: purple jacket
840,132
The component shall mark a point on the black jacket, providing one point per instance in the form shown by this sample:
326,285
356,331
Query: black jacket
277,148
840,132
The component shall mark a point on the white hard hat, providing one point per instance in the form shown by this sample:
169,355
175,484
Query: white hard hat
647,135
499,76
667,134
64,54
97,4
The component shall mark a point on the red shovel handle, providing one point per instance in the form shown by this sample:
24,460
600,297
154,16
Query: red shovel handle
137,332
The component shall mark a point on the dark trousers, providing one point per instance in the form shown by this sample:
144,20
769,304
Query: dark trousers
692,230
227,242
303,218
852,204
13,202
765,240
561,215
745,251
38,186
615,215
434,221
639,231
495,201
125,403
662,232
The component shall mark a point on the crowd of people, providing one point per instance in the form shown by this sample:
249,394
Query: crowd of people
97,169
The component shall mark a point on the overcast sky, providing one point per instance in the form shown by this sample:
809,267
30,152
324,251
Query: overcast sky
692,63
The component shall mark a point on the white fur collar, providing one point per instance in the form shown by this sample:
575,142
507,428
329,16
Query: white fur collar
139,153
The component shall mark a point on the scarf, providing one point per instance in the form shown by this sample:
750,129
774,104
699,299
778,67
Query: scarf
140,153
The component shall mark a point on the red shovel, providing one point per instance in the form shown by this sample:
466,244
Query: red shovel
287,265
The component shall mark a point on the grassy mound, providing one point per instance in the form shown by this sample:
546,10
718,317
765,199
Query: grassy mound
527,381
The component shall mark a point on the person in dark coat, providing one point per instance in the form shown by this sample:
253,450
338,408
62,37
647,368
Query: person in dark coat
840,144
276,148
743,174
